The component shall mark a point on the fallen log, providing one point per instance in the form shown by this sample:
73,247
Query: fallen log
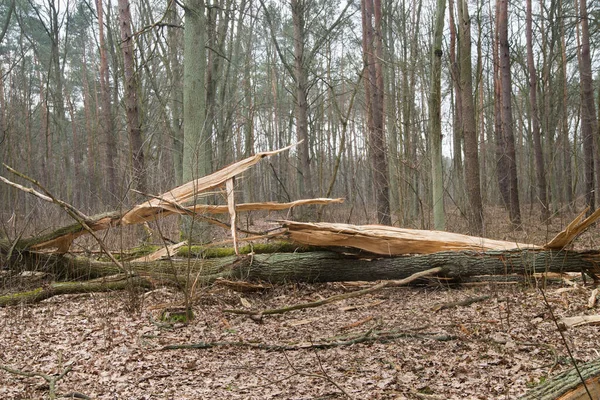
329,266
569,386
57,288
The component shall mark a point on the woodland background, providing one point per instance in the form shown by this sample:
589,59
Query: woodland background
404,107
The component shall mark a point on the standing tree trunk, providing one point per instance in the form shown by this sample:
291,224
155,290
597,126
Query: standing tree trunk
196,140
535,122
589,122
373,58
435,108
508,142
110,149
457,161
567,185
301,107
472,178
131,100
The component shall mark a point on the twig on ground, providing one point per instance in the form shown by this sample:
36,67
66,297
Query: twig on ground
369,336
462,303
339,297
51,379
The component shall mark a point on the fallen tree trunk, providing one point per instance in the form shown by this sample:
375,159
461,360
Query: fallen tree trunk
56,288
328,266
568,385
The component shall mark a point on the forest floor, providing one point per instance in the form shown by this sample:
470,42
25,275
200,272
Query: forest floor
496,348
493,349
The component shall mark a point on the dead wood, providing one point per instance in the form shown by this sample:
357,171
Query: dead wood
390,241
326,266
367,337
462,303
340,297
573,230
57,288
51,380
568,385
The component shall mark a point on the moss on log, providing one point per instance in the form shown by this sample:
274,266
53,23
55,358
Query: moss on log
321,266
56,288
568,385
328,266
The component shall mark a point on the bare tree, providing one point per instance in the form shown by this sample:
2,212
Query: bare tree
589,122
508,172
373,58
435,109
472,178
110,149
535,122
131,100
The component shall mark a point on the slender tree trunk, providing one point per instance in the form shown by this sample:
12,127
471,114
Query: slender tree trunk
537,141
197,141
435,109
305,180
472,178
373,58
110,147
131,101
507,119
457,137
176,90
589,122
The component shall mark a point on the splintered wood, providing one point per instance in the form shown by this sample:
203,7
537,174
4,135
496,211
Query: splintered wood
172,201
390,241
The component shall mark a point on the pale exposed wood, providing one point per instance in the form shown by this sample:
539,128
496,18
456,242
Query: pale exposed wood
232,215
263,206
579,320
149,209
168,251
387,240
593,298
573,230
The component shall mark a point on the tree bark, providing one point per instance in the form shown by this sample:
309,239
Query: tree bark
110,147
197,139
589,121
373,57
326,266
568,386
435,109
508,142
305,181
535,122
131,99
472,177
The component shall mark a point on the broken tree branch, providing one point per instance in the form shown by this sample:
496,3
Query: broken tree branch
339,297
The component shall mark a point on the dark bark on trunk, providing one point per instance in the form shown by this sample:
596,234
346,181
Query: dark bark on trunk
131,100
373,57
326,266
589,122
537,142
301,81
508,142
472,176
110,145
